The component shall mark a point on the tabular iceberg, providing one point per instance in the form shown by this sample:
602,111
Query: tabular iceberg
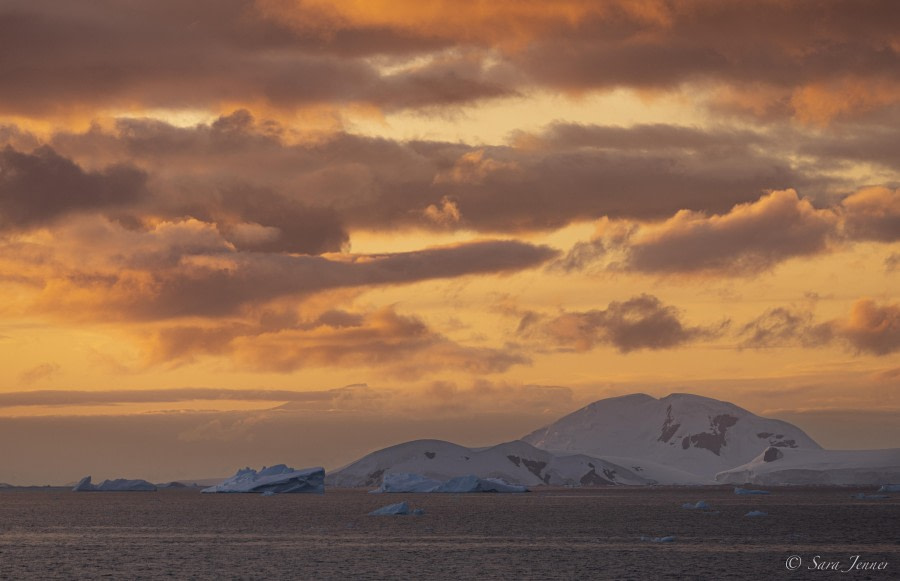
277,479
406,482
117,485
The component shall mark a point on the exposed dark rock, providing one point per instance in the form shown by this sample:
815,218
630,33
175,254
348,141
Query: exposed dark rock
669,427
374,479
535,467
764,435
611,474
784,443
772,454
515,460
594,479
430,455
714,440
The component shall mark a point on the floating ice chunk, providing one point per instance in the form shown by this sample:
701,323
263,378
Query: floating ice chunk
117,485
889,488
268,493
658,539
400,508
700,505
756,513
749,491
277,479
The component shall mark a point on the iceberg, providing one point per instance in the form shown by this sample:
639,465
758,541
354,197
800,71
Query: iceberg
700,505
749,491
406,482
889,488
279,479
756,513
117,485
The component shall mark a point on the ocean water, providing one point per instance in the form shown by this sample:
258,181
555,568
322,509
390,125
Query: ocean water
552,534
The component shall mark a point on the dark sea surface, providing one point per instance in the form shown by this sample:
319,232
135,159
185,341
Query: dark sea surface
550,534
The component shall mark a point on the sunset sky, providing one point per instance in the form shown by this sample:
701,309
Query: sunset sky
243,232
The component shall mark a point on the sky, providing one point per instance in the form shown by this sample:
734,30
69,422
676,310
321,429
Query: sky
243,232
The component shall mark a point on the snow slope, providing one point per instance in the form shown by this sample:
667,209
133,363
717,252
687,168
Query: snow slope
275,479
514,462
776,466
695,434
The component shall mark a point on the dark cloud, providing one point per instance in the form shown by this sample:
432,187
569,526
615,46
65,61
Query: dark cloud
892,262
798,59
748,239
172,54
868,328
872,214
641,322
542,181
41,186
872,328
781,327
400,346
191,274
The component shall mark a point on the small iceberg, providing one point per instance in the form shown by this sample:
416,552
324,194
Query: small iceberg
279,479
757,513
749,491
407,482
117,485
889,488
700,505
398,509
658,539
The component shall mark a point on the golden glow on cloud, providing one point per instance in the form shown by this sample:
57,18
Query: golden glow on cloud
510,208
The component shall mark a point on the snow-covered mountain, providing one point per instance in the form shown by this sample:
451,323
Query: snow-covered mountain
514,462
699,435
638,439
817,467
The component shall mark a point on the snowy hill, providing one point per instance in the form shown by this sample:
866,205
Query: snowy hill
700,435
514,462
817,467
